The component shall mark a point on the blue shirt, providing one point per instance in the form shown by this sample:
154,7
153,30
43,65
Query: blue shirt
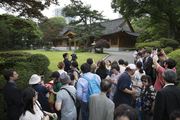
67,65
121,97
83,88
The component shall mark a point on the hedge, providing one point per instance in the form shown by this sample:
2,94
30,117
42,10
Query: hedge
167,50
169,43
157,44
176,56
25,67
5,55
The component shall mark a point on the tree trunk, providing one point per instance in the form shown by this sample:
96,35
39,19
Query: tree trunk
87,42
171,31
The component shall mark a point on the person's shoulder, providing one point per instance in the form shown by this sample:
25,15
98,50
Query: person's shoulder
160,68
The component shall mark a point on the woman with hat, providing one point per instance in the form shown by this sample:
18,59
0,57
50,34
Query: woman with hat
35,81
31,109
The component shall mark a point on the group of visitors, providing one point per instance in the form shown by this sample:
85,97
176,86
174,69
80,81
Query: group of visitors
107,90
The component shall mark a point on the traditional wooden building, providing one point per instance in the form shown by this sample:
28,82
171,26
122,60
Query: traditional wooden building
119,33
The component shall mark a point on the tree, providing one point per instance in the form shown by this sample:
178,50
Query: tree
51,35
13,29
88,23
27,8
102,43
159,11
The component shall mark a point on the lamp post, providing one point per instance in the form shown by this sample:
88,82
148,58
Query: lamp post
93,46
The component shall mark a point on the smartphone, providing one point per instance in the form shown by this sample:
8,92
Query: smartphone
42,77
51,88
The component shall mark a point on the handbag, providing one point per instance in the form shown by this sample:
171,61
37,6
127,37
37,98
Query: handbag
138,102
51,98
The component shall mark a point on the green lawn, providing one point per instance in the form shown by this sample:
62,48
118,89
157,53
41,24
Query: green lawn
56,57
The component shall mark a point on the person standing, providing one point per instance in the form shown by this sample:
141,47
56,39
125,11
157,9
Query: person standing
100,107
167,99
35,81
61,66
66,62
102,71
121,65
124,92
83,89
65,100
12,95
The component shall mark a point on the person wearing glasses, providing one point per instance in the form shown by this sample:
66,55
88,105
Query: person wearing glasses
31,109
148,94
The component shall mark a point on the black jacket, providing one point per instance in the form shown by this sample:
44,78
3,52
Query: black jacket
167,100
12,96
148,66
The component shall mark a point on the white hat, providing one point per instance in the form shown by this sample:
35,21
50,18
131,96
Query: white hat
131,67
35,79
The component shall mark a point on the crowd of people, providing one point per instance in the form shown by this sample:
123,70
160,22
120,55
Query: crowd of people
108,90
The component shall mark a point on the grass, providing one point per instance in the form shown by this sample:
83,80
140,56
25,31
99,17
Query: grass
56,57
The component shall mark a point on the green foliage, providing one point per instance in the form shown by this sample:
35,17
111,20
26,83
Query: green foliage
17,47
39,62
169,42
15,32
5,55
25,67
156,44
59,22
87,24
79,50
143,37
159,12
26,8
176,56
167,50
130,49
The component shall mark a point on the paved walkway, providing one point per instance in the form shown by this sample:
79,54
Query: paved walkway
125,55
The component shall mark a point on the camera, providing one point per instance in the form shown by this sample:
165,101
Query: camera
158,49
74,57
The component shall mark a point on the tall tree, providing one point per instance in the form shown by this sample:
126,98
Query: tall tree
88,23
27,8
13,29
158,11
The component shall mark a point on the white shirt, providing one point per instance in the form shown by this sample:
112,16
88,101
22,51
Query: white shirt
61,71
168,85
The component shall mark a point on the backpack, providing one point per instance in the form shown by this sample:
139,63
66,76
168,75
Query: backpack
92,86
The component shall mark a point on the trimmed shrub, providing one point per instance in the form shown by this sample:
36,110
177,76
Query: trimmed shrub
176,56
17,47
82,50
149,44
5,55
167,50
10,62
169,43
39,62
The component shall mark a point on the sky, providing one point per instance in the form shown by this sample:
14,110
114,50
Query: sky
100,5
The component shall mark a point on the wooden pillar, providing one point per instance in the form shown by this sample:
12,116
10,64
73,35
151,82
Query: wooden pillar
118,42
110,40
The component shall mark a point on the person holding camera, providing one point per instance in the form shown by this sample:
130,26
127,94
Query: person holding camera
169,64
36,82
66,62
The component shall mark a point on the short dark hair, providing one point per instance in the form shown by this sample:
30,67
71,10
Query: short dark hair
105,85
71,76
148,51
8,73
114,62
85,67
160,55
65,54
74,64
146,77
126,63
121,61
139,66
169,75
171,63
102,64
175,114
115,66
90,61
139,54
127,111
